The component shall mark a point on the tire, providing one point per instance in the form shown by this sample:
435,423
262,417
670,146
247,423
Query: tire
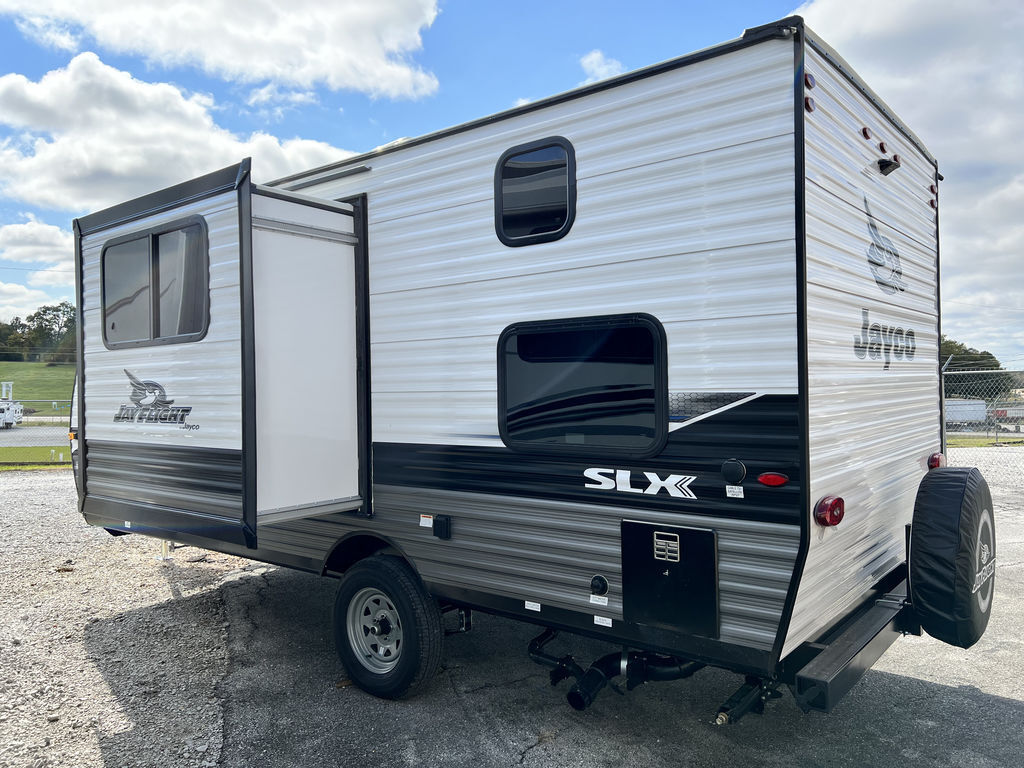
387,629
953,555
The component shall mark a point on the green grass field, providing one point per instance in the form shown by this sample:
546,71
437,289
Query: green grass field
40,382
19,456
973,441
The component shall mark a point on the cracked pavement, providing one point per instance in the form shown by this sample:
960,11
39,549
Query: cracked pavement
119,659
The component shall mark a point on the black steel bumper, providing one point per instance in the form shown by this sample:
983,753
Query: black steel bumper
840,661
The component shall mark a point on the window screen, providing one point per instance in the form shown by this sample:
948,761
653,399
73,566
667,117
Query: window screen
156,286
584,385
535,192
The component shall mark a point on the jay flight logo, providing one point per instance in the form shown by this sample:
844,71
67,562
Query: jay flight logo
151,405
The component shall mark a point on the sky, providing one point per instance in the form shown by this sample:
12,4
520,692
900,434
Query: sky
102,101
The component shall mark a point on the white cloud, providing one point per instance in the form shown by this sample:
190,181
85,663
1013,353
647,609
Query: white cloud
50,247
48,32
597,66
33,241
91,136
956,77
343,44
17,300
271,94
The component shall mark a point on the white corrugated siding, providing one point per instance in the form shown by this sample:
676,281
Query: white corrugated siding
685,211
205,374
871,428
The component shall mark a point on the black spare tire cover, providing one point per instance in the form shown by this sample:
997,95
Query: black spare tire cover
953,555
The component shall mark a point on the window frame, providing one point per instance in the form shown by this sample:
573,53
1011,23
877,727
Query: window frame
151,235
593,322
570,214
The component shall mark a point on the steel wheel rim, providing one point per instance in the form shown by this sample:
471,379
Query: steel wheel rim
374,630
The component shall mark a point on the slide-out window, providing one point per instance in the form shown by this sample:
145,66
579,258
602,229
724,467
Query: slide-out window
535,192
156,285
584,385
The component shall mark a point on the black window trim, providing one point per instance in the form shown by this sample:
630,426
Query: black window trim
150,236
570,214
627,320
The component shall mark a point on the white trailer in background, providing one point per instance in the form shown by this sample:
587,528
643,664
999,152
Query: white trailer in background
10,410
962,412
653,361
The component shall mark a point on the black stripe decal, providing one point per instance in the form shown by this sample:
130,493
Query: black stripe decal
203,481
763,434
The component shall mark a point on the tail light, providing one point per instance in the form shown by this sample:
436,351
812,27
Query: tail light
829,511
936,460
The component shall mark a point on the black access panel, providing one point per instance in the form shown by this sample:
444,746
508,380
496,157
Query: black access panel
670,577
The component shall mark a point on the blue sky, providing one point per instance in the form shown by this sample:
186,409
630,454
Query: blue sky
101,101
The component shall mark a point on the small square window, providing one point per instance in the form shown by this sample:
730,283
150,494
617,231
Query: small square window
156,286
584,385
535,192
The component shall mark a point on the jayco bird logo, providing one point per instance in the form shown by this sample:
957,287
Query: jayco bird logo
147,392
883,258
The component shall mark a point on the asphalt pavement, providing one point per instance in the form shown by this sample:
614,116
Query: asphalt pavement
924,703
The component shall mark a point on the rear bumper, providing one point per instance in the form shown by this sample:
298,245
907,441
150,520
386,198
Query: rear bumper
844,658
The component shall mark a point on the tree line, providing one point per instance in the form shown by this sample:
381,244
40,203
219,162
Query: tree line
47,335
1000,386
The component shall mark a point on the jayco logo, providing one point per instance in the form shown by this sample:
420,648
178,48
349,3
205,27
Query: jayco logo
150,405
879,341
622,480
883,258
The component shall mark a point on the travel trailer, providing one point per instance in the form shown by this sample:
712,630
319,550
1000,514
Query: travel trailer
11,411
654,361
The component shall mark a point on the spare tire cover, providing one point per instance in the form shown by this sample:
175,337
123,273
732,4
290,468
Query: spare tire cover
953,555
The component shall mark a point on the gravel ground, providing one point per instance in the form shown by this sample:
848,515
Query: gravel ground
110,657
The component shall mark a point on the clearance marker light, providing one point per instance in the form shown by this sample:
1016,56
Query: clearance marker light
936,460
772,479
829,511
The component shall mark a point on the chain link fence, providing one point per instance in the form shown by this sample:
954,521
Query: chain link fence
35,433
985,415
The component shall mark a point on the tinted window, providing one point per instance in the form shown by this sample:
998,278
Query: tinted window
535,192
128,308
593,383
156,286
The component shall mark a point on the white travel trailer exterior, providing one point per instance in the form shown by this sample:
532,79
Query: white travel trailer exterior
11,410
615,362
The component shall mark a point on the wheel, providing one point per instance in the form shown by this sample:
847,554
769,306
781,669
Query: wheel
953,555
387,629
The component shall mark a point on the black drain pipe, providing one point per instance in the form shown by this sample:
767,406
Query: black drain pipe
639,668
583,693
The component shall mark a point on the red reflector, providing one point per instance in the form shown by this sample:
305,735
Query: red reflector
772,479
829,511
936,460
